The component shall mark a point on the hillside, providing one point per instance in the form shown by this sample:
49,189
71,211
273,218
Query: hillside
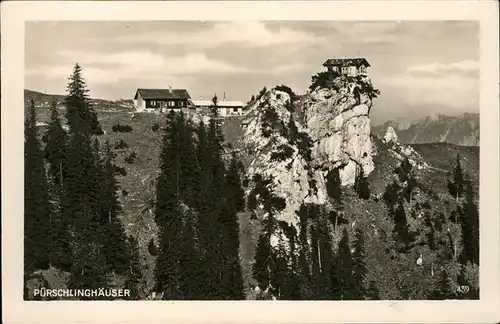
44,100
297,143
459,130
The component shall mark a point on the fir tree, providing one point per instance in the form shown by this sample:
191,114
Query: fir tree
457,187
82,185
344,265
359,265
373,292
38,244
55,154
361,184
407,176
470,226
401,231
235,202
115,247
167,213
134,273
444,289
333,186
80,113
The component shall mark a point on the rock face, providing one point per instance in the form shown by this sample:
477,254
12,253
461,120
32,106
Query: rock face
390,136
334,132
339,124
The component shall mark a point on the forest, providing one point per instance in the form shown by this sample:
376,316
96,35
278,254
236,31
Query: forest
72,219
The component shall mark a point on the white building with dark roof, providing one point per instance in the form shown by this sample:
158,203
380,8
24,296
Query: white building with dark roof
347,66
161,99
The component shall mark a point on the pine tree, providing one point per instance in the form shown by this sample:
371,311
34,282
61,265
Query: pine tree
373,292
80,113
407,177
361,185
55,154
359,265
55,144
444,289
457,187
333,186
167,213
235,202
134,274
401,230
344,265
82,189
115,247
38,244
470,226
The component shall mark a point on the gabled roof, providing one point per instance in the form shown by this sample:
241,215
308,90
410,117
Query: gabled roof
160,94
347,62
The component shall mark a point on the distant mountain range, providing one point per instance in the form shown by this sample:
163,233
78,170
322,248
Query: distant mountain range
45,100
459,130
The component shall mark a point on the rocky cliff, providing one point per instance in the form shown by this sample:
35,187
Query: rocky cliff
297,143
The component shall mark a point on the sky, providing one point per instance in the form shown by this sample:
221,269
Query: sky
420,67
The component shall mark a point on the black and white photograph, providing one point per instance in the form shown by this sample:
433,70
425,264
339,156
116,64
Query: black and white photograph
252,160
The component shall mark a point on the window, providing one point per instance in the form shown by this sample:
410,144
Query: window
235,109
180,103
153,103
171,103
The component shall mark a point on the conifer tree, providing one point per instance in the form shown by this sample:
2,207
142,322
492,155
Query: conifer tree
457,187
167,213
82,188
361,184
470,226
401,231
79,110
344,265
38,244
134,273
407,176
55,144
115,247
235,202
333,185
55,154
373,292
359,266
444,289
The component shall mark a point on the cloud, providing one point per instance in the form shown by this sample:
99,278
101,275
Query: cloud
253,33
454,84
465,69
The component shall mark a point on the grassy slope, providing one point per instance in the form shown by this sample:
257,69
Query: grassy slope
139,182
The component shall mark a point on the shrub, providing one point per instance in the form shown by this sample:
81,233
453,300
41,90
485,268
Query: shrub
121,145
120,170
304,144
155,127
288,90
284,152
121,128
261,93
124,193
131,158
322,80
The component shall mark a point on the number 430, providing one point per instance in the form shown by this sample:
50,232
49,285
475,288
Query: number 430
463,289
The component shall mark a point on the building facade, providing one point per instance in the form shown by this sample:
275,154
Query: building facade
347,66
161,100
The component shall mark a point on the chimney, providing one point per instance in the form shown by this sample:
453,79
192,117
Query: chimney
224,97
169,88
201,98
